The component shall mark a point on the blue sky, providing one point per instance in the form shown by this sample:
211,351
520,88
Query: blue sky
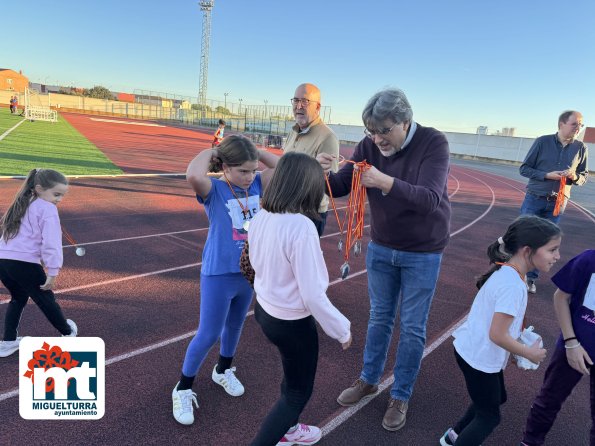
461,63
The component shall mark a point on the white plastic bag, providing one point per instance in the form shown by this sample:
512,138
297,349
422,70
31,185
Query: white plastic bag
528,338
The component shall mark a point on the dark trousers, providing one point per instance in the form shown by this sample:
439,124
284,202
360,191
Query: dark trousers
542,207
320,224
22,280
297,342
487,394
558,382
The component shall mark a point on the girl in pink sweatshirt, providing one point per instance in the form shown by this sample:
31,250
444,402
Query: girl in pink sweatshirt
290,284
31,236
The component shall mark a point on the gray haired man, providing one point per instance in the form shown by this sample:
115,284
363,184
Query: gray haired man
408,196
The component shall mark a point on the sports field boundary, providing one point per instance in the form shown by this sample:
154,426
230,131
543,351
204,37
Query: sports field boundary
6,133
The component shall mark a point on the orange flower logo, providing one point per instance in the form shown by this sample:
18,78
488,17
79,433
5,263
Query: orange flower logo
48,357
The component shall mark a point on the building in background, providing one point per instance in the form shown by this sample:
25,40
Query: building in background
11,80
508,131
482,130
587,135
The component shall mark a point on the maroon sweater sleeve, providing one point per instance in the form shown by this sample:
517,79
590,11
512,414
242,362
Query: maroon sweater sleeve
415,214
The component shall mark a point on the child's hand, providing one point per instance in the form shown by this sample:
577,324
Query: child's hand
49,283
347,344
535,353
578,359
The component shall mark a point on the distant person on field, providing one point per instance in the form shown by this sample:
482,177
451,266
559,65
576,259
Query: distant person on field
551,158
291,281
574,302
31,239
230,203
407,190
11,104
311,136
16,104
218,136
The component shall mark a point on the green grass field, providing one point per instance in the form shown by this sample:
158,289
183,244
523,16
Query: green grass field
49,145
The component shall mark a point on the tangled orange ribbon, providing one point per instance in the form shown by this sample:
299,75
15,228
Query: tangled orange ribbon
68,237
48,357
353,224
560,198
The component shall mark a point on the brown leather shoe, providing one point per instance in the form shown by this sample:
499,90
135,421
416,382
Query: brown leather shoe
358,390
396,413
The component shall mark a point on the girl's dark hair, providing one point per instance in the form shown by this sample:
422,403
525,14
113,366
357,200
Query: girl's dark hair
11,221
297,186
234,150
527,230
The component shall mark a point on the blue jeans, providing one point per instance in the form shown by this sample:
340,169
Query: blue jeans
405,281
544,208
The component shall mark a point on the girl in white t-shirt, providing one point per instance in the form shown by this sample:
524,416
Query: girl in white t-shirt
484,342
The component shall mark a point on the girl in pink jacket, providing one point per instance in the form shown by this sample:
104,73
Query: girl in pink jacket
31,236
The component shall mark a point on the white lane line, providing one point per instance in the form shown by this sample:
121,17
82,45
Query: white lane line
350,411
125,239
457,187
114,121
127,278
118,280
586,212
10,394
6,133
484,213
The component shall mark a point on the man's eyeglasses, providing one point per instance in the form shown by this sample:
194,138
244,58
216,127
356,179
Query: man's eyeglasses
382,132
305,102
580,125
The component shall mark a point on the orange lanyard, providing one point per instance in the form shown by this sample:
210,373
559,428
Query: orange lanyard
560,197
353,224
513,267
244,208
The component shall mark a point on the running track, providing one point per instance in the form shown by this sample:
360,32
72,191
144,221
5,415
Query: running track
137,288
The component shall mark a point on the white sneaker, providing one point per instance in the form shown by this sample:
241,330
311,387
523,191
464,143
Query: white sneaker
228,381
531,287
73,327
182,405
7,348
302,435
449,438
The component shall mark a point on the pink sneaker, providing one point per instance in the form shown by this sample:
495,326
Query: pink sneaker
302,434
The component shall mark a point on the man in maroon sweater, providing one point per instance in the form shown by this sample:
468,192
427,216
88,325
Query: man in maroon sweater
410,227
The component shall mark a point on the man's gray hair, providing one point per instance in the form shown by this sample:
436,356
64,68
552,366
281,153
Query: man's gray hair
391,104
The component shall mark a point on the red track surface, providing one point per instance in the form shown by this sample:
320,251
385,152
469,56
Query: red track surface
136,293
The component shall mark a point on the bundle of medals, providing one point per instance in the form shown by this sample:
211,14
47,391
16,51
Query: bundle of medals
560,197
353,225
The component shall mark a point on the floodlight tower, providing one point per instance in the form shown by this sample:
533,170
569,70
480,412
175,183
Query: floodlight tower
205,6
